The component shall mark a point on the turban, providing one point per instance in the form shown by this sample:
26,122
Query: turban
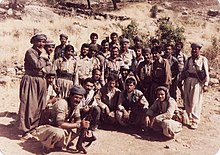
93,47
124,40
37,37
137,38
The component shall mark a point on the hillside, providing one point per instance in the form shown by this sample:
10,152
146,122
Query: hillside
17,28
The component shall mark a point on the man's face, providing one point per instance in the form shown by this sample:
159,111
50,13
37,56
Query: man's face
124,45
63,40
49,49
169,51
129,87
75,99
137,42
147,56
94,39
112,84
92,53
114,53
88,86
84,51
195,52
156,56
68,53
161,95
97,75
106,46
114,38
178,47
50,79
40,43
138,52
124,72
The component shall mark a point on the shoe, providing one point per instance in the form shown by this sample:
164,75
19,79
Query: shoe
194,125
26,136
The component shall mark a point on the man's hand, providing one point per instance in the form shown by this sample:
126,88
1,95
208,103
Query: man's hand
86,108
107,111
85,124
205,88
125,114
147,121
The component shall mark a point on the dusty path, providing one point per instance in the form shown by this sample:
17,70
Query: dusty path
205,140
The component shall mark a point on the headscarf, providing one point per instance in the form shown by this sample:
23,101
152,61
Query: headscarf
166,90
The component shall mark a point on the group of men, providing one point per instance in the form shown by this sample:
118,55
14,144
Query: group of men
112,83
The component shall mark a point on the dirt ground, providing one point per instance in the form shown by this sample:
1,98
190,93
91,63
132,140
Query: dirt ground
205,140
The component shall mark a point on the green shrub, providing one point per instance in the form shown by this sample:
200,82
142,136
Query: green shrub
132,30
167,33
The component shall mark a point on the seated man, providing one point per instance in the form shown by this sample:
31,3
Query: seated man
160,114
64,122
107,99
89,108
132,105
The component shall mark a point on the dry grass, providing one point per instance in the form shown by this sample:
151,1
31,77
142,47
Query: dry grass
15,34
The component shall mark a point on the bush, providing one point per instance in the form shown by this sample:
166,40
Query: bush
212,53
167,33
154,11
132,30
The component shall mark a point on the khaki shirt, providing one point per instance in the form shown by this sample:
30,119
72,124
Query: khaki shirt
85,67
67,65
128,56
61,112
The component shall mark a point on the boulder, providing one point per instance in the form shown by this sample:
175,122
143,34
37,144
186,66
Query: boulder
213,13
213,81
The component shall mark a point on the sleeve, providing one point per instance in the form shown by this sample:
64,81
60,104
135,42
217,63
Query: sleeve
143,101
120,101
98,97
206,67
168,79
153,108
61,110
35,60
169,113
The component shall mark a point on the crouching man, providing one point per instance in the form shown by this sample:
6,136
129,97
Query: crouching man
64,122
160,114
132,105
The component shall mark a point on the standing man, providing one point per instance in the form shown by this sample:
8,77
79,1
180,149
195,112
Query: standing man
114,40
193,85
67,72
144,73
33,87
161,72
84,63
174,69
112,65
181,59
127,55
59,50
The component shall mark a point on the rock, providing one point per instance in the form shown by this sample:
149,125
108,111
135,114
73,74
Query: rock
5,80
167,4
10,12
2,11
213,13
167,147
185,12
213,81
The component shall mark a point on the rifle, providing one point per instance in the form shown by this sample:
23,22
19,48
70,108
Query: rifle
85,135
